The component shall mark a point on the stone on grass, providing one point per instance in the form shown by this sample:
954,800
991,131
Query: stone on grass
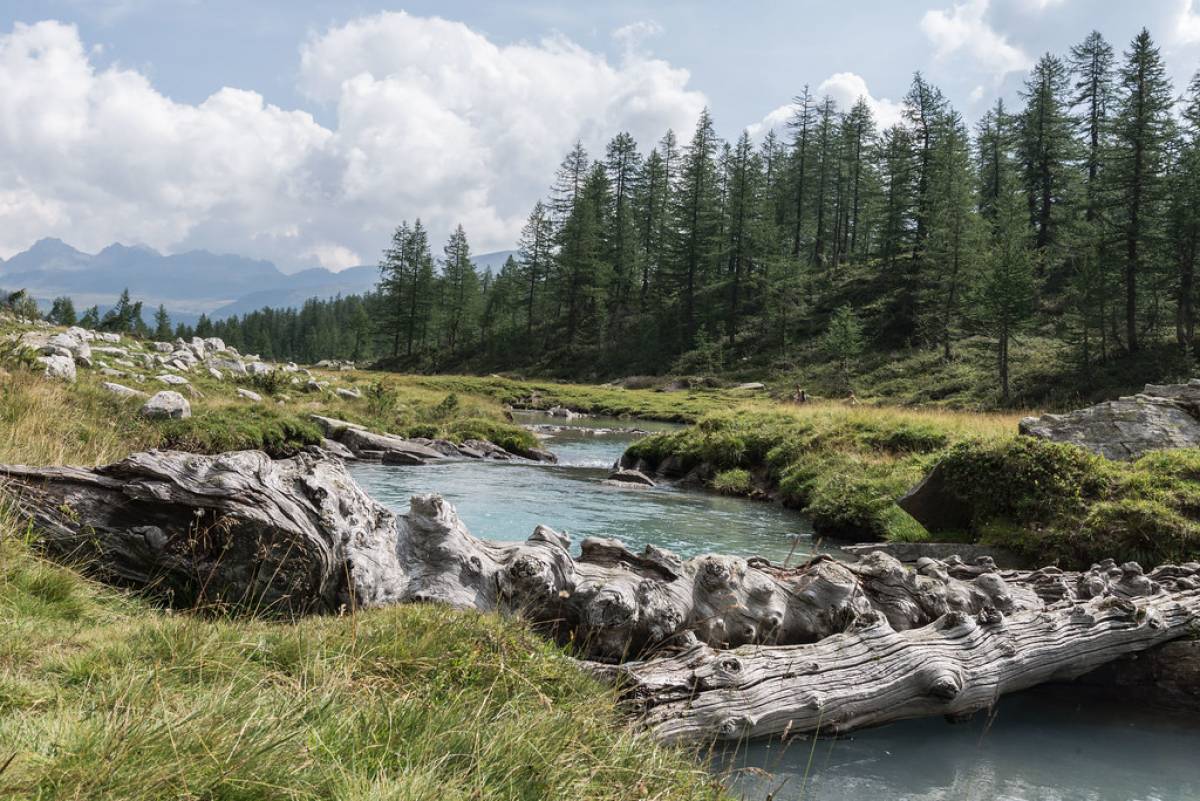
249,395
121,390
167,405
59,367
173,380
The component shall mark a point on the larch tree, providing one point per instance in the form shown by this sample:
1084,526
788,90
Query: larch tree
1143,131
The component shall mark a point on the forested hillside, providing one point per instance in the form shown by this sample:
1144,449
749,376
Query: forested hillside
1059,232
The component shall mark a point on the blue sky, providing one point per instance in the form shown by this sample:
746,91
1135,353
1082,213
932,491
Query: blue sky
303,131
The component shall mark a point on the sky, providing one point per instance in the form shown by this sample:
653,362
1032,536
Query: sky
304,132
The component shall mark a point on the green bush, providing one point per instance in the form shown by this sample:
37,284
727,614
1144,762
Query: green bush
732,482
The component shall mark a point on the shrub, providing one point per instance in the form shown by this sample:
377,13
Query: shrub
732,482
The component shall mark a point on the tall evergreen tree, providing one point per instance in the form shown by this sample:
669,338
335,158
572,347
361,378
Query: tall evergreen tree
1142,132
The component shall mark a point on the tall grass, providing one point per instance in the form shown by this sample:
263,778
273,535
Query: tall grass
104,697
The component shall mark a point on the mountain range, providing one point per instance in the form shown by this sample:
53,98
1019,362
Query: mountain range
187,284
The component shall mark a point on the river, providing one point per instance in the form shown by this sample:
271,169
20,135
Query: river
1043,745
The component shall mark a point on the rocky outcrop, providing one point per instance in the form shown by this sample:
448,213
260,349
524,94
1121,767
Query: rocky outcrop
1162,416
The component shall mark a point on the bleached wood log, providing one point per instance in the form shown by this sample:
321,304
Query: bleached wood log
298,535
823,646
873,674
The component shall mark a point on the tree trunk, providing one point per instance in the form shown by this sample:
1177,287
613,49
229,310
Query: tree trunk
827,645
875,674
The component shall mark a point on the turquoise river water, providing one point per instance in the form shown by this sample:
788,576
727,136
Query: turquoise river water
1043,745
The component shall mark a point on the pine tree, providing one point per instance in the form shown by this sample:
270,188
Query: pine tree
62,312
1003,298
1046,149
954,237
696,222
1143,130
802,123
534,252
623,168
1184,230
162,323
744,211
460,284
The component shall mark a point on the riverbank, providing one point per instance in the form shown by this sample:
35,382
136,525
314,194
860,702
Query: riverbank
104,695
846,467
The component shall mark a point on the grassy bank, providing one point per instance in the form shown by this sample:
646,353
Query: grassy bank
105,696
847,466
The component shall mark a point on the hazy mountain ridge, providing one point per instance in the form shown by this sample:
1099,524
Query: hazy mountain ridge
187,284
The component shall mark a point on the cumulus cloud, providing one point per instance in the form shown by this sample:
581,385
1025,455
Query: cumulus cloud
845,88
1186,30
432,119
963,29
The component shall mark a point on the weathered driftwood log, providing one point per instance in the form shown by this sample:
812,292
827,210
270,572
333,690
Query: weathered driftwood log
874,674
825,645
298,534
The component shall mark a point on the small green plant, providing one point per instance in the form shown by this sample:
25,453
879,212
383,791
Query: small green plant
732,482
381,401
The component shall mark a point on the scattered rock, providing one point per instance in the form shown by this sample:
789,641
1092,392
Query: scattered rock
59,367
217,374
173,380
259,368
628,477
359,440
400,458
751,385
563,412
249,395
167,405
348,393
122,390
332,427
335,448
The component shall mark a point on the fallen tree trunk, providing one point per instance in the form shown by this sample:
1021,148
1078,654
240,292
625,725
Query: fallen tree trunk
827,644
873,675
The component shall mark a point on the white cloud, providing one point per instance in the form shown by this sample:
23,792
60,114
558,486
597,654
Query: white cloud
1042,5
962,29
1186,30
432,119
845,88
631,36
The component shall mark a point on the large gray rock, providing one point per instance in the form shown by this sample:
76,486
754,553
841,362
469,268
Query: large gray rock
249,395
60,367
167,405
78,346
1161,417
360,440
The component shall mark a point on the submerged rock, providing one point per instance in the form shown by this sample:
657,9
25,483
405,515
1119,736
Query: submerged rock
629,477
1162,416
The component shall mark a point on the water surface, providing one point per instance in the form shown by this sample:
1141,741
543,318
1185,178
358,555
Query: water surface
507,500
1046,745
